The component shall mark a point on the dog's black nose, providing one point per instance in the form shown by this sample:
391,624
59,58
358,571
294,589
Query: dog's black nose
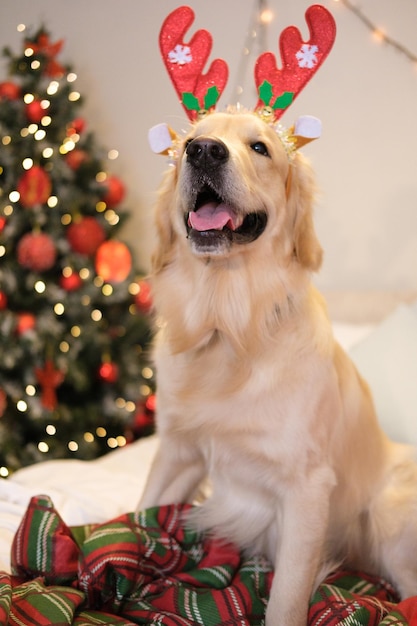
206,153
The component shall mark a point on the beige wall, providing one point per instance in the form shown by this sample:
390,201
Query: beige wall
365,95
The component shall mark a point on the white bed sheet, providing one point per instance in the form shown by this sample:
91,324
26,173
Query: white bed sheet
96,491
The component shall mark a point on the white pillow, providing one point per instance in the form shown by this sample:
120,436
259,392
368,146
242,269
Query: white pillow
387,359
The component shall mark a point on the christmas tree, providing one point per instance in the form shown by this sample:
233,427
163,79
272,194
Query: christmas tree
74,324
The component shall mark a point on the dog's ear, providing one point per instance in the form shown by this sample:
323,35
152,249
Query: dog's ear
164,214
301,193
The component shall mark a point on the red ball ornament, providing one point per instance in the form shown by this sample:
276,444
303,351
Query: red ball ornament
3,300
85,235
76,158
25,323
108,372
142,420
150,403
115,191
3,222
76,126
3,402
34,187
36,251
35,111
71,282
144,417
9,91
143,299
113,261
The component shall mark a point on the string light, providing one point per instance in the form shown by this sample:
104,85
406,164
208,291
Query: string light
74,96
379,34
27,163
52,88
14,196
39,286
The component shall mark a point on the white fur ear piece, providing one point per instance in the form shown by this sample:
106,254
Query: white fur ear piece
306,129
161,138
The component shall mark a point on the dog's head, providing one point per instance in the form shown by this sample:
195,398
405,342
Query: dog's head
234,189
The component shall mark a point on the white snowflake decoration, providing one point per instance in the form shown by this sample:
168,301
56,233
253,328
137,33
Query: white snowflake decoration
180,55
307,56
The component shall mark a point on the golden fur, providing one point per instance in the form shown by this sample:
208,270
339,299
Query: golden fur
254,392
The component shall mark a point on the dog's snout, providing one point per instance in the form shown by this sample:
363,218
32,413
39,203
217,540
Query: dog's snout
207,153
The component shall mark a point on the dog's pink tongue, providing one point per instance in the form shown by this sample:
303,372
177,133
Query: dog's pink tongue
213,216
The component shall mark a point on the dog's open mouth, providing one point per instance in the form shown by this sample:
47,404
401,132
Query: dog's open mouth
215,224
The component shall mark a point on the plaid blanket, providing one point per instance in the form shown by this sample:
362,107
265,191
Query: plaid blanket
145,568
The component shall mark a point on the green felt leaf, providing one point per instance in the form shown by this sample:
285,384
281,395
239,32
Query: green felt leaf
190,101
283,101
265,92
211,97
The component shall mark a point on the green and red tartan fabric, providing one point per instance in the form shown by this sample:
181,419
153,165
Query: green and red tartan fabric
145,568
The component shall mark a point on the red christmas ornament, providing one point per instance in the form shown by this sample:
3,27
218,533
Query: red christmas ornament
44,47
36,251
3,300
113,261
75,158
3,222
35,111
145,415
85,235
142,420
151,403
9,91
76,126
49,378
108,372
34,187
71,282
25,323
143,299
3,402
115,191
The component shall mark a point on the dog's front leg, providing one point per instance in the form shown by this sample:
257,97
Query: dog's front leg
174,476
300,552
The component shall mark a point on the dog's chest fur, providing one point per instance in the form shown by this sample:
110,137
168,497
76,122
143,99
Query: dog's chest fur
220,389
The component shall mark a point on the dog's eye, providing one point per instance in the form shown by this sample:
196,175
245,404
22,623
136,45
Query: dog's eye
260,148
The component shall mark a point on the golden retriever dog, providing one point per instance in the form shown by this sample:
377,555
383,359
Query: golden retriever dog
253,391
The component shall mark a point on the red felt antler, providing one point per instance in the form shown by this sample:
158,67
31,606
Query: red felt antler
300,60
185,63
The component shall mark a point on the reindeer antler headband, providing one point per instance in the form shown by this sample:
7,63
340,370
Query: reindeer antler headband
277,87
